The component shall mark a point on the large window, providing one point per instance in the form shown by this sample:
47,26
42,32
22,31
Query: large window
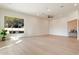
13,24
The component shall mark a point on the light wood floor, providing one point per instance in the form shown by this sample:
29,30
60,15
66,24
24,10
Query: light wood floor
41,45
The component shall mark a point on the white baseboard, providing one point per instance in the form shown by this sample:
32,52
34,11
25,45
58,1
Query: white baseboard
59,35
35,35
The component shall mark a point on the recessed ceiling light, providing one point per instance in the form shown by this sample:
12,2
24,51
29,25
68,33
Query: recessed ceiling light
75,4
48,9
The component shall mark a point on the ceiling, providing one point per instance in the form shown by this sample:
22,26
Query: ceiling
40,9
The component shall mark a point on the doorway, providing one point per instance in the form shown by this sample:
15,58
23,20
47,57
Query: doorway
72,28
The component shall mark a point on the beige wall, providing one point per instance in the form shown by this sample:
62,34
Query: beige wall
32,25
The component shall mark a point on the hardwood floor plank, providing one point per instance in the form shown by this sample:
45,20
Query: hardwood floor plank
40,45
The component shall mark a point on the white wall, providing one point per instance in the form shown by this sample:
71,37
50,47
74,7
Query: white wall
32,25
59,26
39,26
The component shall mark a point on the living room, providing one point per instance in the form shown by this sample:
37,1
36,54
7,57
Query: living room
33,27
